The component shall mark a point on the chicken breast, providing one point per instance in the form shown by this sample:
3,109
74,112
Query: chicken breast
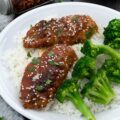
66,30
44,75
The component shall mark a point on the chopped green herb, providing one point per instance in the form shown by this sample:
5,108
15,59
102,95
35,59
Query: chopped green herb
50,54
29,54
54,63
31,69
35,61
39,88
59,32
61,0
74,19
88,34
46,23
48,82
1,118
31,26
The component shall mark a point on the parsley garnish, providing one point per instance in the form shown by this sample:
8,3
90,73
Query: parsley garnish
61,0
88,34
39,88
50,54
59,32
54,63
74,19
1,118
31,69
48,82
29,54
46,23
35,61
31,26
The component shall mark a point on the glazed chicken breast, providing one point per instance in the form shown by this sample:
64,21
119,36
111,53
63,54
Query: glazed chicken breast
44,75
66,30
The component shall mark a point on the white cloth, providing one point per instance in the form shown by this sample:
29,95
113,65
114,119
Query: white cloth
4,20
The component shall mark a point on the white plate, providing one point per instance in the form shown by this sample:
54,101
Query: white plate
99,13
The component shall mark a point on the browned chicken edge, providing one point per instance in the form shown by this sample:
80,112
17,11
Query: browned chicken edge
67,30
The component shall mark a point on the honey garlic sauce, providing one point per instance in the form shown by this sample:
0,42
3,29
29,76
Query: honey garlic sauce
43,76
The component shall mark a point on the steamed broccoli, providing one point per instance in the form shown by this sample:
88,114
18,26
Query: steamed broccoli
112,68
92,50
1,118
112,31
115,43
84,68
69,90
99,89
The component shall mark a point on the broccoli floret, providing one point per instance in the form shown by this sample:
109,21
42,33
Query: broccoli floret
112,68
84,67
99,89
92,50
69,90
1,118
115,43
112,31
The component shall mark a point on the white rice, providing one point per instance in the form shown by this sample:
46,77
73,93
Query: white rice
18,60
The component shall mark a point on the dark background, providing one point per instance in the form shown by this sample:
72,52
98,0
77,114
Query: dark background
115,4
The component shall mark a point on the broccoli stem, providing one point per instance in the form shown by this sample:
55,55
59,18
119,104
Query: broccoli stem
106,49
101,97
104,90
80,105
99,89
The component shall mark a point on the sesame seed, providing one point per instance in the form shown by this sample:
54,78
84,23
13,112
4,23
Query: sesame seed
35,104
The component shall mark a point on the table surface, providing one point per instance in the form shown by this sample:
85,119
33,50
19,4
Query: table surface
8,112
